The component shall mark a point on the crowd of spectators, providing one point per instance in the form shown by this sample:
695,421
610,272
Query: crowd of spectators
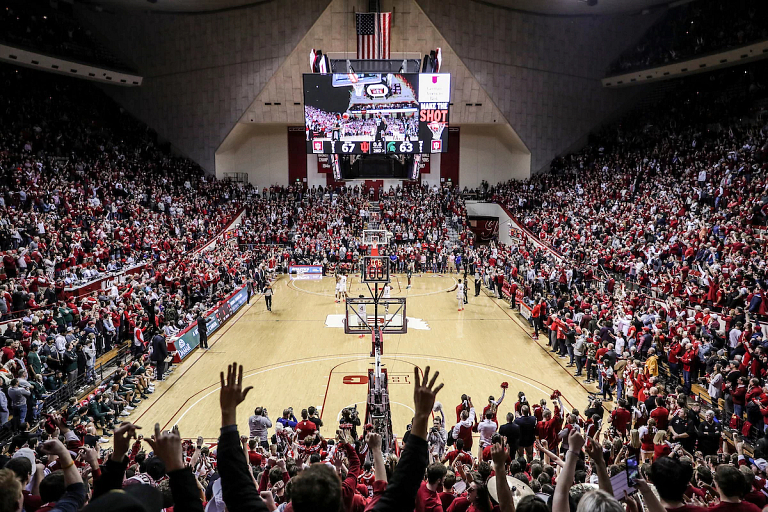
653,251
85,193
656,256
541,459
694,29
325,226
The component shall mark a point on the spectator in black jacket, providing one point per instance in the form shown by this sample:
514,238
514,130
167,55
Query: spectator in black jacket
159,353
527,424
511,431
202,330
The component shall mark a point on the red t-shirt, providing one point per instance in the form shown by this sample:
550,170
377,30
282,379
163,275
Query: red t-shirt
620,418
255,458
464,457
688,508
446,498
305,428
744,506
661,415
427,500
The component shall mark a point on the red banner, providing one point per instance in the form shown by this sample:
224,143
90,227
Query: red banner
485,229
324,164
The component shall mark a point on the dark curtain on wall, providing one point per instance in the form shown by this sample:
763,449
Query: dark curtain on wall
484,228
297,155
449,162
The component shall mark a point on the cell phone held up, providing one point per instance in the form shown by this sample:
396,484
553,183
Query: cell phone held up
633,471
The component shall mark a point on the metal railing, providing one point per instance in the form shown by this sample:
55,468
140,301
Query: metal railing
83,385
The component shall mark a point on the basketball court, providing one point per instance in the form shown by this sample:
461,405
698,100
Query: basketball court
292,358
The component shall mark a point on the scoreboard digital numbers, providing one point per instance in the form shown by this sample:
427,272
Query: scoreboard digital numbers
377,113
375,269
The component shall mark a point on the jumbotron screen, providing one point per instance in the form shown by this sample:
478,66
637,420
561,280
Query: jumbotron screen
376,113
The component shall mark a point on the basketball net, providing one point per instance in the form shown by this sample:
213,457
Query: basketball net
358,89
436,127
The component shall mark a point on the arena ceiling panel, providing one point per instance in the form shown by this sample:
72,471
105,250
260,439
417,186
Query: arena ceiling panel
552,7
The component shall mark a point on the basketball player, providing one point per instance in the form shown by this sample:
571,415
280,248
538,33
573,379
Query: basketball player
362,315
335,134
459,289
381,128
410,273
338,288
386,294
343,288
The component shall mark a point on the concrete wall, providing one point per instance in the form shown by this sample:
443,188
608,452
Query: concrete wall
204,72
492,153
543,72
492,210
201,71
261,150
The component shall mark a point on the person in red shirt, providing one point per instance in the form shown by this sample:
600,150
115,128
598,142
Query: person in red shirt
688,362
447,496
738,396
254,457
549,427
458,453
367,478
427,499
660,414
729,483
621,418
536,316
305,427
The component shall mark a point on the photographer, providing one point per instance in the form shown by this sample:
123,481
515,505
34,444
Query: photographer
350,420
437,437
595,407
259,424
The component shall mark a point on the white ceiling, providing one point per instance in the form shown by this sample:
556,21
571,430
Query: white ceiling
561,7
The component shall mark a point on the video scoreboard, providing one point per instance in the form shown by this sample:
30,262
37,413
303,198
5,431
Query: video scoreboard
377,113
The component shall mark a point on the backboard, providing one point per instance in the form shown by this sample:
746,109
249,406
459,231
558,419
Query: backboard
362,313
376,236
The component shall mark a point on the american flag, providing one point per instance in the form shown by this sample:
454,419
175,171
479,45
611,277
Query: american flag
373,35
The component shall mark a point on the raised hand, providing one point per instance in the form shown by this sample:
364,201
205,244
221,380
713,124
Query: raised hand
167,446
594,450
575,441
232,393
338,459
90,455
499,453
374,441
122,440
53,447
424,392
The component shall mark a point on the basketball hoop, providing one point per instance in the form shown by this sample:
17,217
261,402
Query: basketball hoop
436,127
374,237
358,87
